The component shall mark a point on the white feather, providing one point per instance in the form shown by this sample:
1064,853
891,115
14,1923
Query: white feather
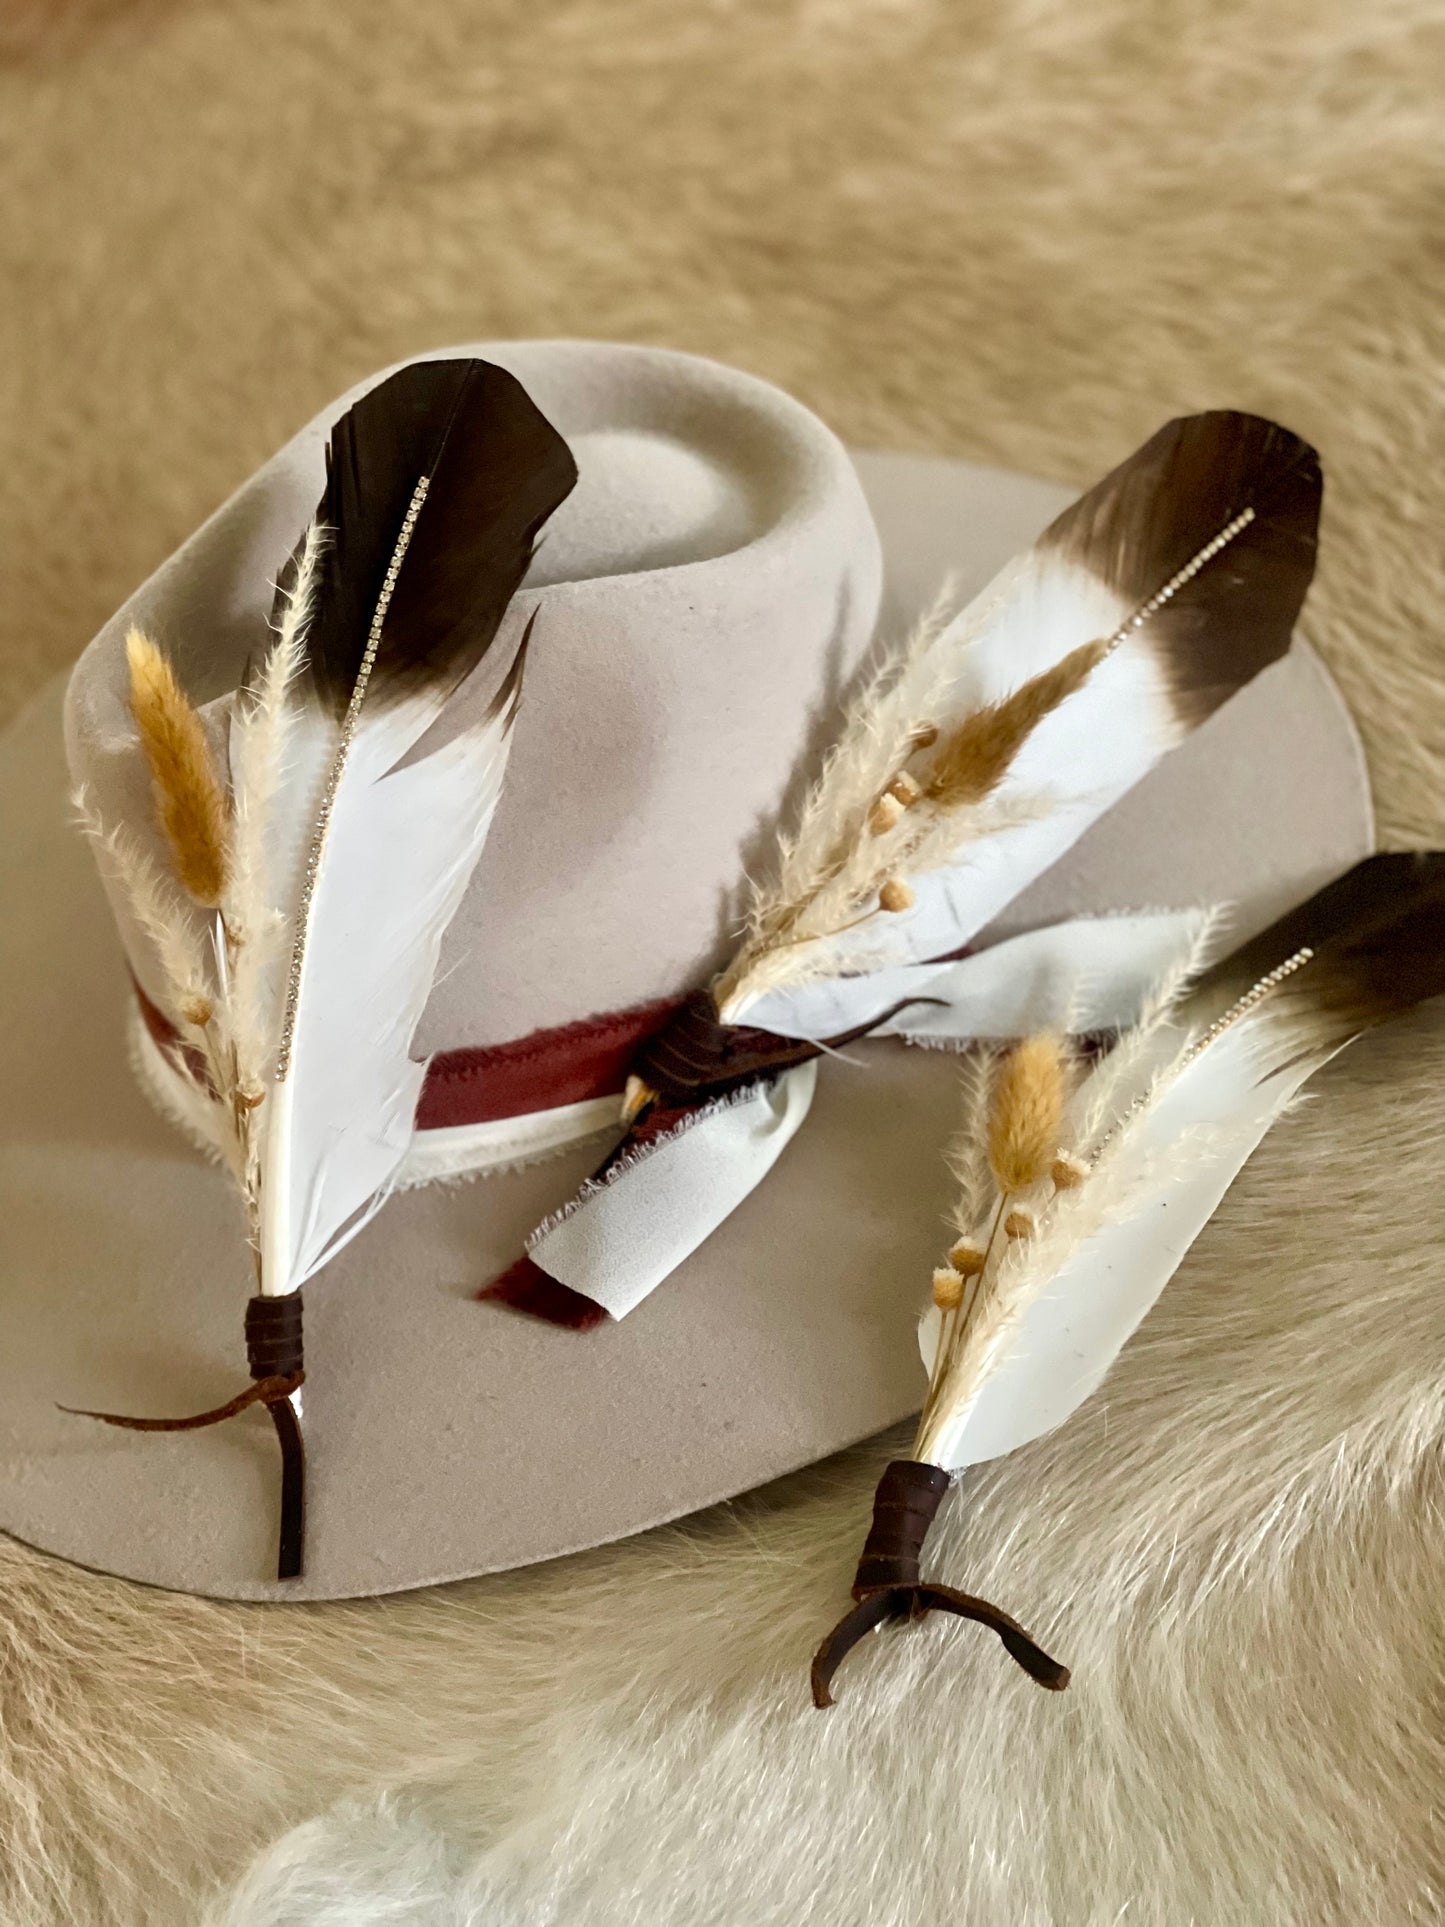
1065,1302
1079,761
401,844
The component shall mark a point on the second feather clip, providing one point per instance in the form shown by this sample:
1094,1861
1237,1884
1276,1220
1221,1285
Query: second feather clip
1082,1188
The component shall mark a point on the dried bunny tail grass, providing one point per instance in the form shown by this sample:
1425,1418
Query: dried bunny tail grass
947,1288
185,956
180,948
1068,1172
933,838
261,726
1025,1114
1179,978
972,760
968,1257
1030,1264
868,825
190,800
301,593
1116,1186
929,840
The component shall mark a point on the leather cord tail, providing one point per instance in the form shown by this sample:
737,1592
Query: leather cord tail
265,1392
888,1587
696,1056
291,1534
274,1353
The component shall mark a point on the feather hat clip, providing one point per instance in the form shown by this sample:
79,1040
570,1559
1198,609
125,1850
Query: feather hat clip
1079,1196
320,841
981,752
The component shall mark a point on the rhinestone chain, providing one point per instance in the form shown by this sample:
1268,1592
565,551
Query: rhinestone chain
333,782
1241,1007
1177,581
1255,995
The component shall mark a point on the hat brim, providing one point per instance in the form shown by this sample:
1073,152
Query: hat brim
448,1438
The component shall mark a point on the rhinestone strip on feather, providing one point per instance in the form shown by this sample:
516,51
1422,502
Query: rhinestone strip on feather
333,781
1241,1007
1177,581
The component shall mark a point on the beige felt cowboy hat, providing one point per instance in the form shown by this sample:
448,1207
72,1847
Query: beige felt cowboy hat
696,612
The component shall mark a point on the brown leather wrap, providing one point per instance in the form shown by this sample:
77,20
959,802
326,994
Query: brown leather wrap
695,1056
904,1507
273,1336
888,1586
275,1354
275,1357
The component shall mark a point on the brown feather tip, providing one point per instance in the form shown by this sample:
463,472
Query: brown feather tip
1368,947
1146,527
495,469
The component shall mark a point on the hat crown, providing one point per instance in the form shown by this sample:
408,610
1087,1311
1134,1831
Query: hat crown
701,601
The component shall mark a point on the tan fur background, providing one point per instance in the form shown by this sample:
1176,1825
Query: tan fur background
1019,230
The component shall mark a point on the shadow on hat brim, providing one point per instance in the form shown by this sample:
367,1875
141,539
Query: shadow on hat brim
449,1438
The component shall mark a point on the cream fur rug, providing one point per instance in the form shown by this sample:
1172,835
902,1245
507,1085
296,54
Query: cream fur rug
1020,230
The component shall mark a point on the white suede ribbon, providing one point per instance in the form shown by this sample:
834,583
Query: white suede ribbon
623,1236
